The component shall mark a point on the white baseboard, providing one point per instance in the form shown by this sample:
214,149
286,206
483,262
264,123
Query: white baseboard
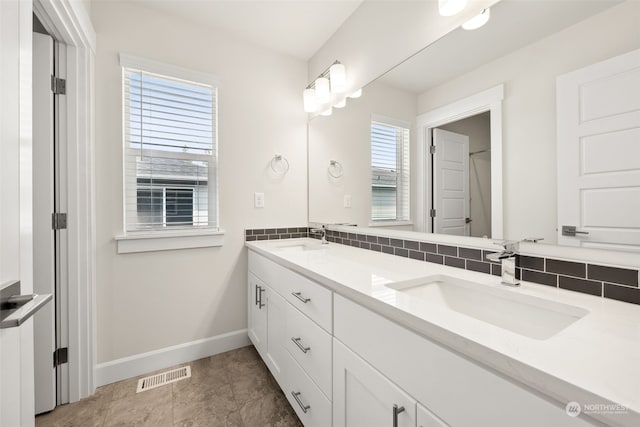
139,364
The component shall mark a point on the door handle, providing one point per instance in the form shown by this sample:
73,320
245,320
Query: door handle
256,295
300,297
304,407
396,410
571,231
300,346
24,311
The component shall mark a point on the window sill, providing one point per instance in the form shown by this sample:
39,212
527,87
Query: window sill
389,223
169,240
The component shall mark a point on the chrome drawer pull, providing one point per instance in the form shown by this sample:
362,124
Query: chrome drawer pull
256,295
300,297
304,407
300,346
396,410
260,304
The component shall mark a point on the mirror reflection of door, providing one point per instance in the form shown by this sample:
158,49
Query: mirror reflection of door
461,177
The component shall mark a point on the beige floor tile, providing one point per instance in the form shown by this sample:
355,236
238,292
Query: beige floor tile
270,410
220,408
149,408
89,412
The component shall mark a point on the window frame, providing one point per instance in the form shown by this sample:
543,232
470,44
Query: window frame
383,120
169,238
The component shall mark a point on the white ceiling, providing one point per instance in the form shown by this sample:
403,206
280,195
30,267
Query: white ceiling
293,27
513,25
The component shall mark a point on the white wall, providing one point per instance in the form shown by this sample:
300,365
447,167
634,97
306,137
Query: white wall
382,33
478,129
153,300
346,137
529,110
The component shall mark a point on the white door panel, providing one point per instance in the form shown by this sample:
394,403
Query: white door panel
451,183
599,154
43,206
16,246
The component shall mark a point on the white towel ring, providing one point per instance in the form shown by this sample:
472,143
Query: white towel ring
335,169
280,164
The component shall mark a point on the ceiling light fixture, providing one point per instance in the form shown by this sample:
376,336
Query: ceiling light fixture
451,7
478,20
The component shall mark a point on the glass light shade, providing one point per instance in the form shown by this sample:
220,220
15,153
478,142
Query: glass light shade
310,101
323,95
477,21
341,104
451,7
327,112
338,77
356,94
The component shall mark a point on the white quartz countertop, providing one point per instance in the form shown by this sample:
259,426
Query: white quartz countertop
594,361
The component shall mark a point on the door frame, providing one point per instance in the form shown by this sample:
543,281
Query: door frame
69,23
488,100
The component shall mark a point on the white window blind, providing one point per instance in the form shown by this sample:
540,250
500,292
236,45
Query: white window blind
170,163
389,172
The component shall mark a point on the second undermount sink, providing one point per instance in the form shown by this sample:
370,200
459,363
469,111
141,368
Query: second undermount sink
302,246
525,315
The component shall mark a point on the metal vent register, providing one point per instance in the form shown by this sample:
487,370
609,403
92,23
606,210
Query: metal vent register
163,378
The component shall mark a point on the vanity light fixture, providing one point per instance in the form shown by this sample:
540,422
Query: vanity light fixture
327,112
478,20
356,94
451,7
338,77
310,100
323,94
341,104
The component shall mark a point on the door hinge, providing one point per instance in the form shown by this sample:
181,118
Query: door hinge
58,86
432,213
60,356
59,221
432,149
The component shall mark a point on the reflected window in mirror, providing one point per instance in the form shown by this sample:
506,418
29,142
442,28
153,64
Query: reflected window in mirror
390,174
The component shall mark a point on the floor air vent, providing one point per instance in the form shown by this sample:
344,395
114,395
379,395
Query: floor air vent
163,378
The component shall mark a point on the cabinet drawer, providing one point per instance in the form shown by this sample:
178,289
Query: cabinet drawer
311,405
310,346
442,379
311,298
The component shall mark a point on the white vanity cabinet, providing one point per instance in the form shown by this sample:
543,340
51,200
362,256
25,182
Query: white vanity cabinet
266,324
257,313
452,389
290,323
364,397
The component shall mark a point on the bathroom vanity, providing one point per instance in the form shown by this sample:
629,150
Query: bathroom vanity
356,337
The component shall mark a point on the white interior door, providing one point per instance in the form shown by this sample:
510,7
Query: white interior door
599,154
16,246
43,235
451,183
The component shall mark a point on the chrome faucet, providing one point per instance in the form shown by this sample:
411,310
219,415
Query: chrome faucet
322,232
508,258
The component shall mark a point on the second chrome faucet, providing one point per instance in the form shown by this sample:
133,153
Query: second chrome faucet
508,259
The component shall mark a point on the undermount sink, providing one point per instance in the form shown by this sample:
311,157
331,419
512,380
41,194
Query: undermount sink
302,246
525,315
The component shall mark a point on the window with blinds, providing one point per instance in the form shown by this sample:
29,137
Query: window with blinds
389,171
170,160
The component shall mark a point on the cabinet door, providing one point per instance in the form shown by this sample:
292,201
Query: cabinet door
276,329
257,314
426,418
362,396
